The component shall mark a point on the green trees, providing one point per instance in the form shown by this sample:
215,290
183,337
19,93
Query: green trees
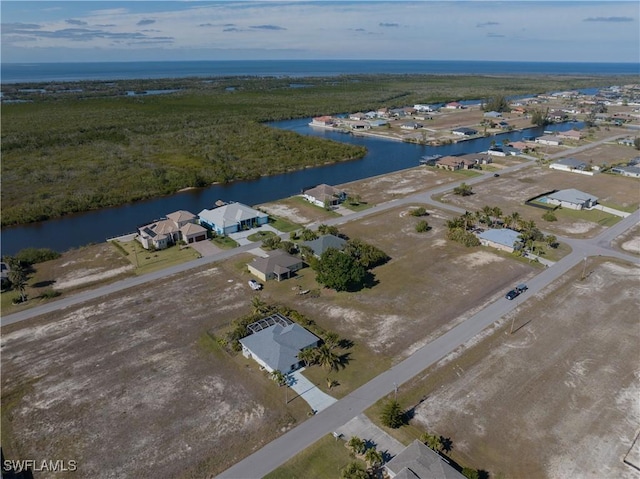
540,117
279,377
18,278
497,103
308,235
463,190
328,230
366,254
373,457
431,440
549,216
340,271
392,415
327,358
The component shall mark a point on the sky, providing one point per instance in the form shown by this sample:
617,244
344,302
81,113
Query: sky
151,30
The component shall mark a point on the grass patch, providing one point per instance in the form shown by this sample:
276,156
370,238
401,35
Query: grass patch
325,458
628,209
469,173
362,366
285,226
595,216
363,205
224,242
260,235
9,401
147,261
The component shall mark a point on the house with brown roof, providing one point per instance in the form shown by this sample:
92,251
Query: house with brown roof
451,163
322,121
324,194
179,225
278,265
571,135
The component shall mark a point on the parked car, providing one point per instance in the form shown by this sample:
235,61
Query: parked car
517,291
255,285
496,175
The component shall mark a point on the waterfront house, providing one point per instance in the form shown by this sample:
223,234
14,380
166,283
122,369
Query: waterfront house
231,218
451,163
322,121
571,135
454,105
568,164
464,131
323,195
551,140
179,225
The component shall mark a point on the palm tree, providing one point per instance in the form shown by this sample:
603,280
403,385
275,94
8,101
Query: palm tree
354,470
431,440
468,219
279,377
497,213
373,457
307,355
331,339
18,278
487,211
258,305
356,445
513,220
326,358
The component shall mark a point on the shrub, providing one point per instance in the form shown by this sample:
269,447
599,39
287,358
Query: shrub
50,293
392,415
549,216
422,226
29,256
418,211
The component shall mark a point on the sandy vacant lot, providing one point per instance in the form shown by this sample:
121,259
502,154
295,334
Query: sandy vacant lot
558,398
511,190
127,387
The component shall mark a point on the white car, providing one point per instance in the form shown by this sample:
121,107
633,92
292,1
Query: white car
255,285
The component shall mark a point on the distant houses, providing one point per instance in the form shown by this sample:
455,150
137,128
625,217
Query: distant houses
464,131
231,218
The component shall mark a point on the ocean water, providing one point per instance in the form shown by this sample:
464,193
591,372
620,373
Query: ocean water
61,72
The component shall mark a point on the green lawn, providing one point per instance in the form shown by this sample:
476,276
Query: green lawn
148,261
283,225
224,242
358,207
323,459
260,235
595,216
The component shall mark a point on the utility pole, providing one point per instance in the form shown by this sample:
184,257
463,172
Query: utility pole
395,392
584,268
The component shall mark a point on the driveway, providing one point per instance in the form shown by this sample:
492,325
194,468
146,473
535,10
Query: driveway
308,391
241,236
205,248
362,427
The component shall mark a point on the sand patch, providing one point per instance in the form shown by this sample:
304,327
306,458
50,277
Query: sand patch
85,276
633,245
479,258
284,211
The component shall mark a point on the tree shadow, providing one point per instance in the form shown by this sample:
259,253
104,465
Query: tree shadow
345,344
344,360
44,284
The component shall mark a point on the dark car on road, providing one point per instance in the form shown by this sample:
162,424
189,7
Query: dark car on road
517,291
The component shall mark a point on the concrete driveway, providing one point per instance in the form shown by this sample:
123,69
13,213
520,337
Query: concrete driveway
362,427
308,391
205,248
241,236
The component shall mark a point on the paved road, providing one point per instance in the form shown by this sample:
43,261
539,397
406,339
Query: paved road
280,450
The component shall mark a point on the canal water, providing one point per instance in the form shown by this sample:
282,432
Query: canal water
384,156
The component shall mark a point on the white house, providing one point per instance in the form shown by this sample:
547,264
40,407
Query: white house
504,239
550,140
324,194
231,218
572,199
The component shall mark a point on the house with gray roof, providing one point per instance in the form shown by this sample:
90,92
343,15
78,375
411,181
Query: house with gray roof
632,171
572,198
276,346
551,140
278,265
323,194
323,243
231,218
504,239
417,461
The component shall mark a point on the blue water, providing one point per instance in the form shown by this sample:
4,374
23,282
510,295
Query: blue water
384,156
46,72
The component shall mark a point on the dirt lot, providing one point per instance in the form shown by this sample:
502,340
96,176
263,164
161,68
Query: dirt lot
561,394
630,241
129,386
411,302
510,191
